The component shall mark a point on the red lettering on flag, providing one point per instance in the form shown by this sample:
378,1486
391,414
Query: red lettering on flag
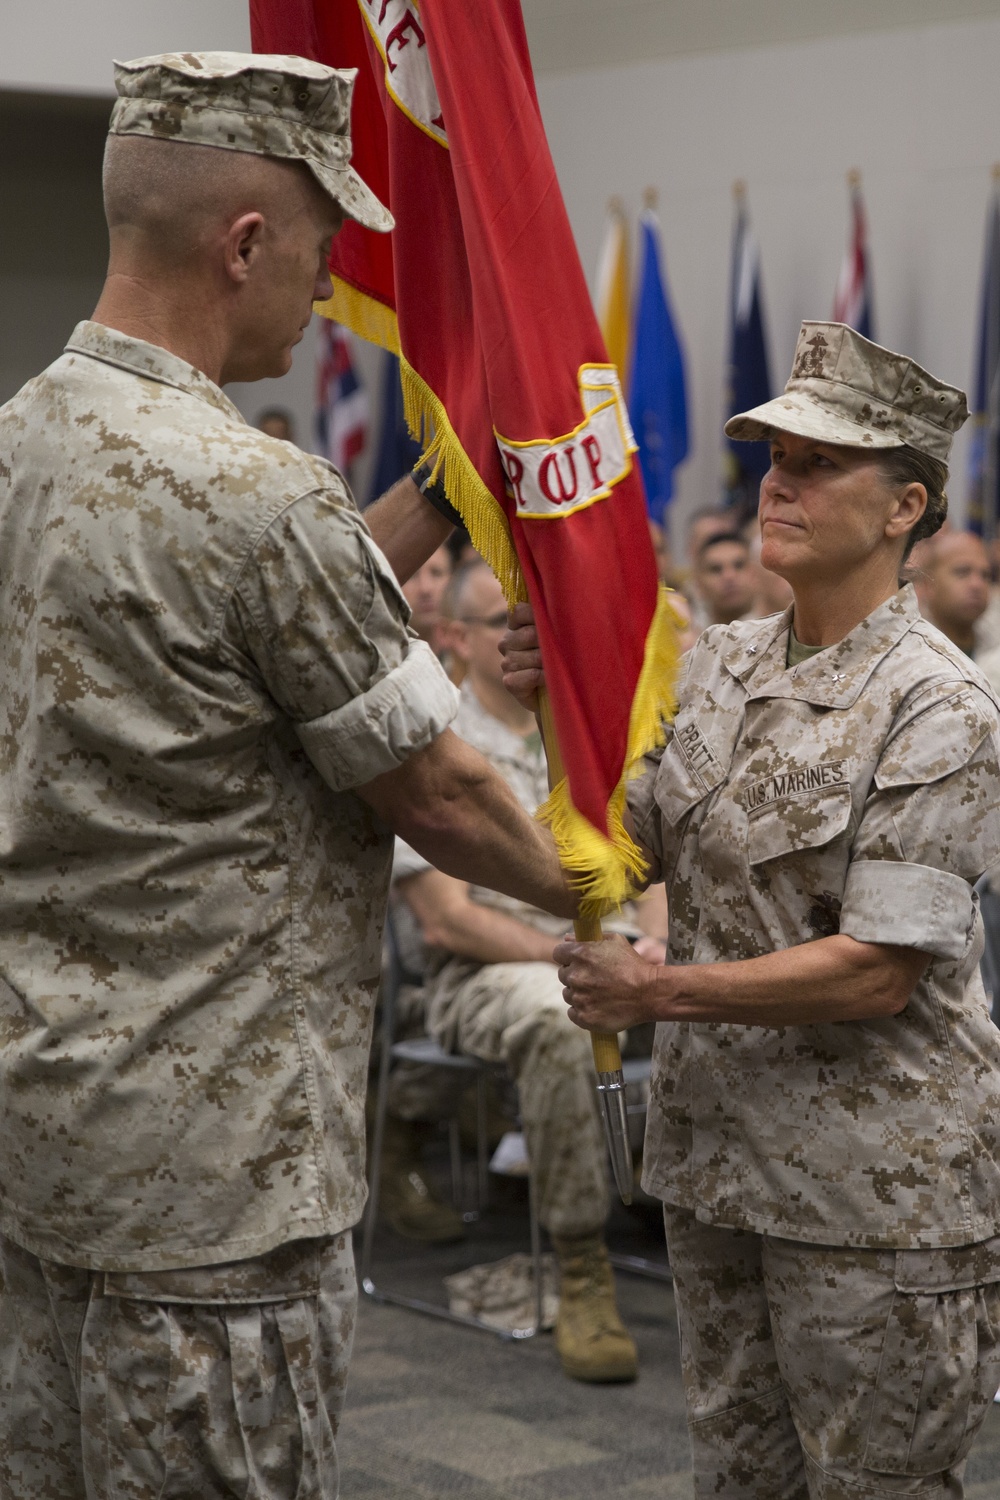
550,474
515,472
592,449
397,37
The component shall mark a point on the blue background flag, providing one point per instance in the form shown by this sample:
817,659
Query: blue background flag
749,379
984,449
397,452
657,395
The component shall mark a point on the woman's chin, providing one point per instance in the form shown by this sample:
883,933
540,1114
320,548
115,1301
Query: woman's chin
777,556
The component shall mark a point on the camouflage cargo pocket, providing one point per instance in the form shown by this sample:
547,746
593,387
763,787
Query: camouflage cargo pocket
940,1361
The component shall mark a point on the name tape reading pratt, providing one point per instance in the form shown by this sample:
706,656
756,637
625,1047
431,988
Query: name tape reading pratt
554,477
399,36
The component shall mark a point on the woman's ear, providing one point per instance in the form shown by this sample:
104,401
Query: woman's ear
908,507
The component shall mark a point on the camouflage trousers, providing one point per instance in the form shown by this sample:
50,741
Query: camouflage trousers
515,1014
817,1372
176,1385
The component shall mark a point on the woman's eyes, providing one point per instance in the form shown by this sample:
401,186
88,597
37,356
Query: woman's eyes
817,460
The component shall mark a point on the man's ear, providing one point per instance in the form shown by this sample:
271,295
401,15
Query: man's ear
242,245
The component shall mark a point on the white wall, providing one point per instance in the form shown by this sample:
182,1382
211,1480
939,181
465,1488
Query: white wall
916,110
68,45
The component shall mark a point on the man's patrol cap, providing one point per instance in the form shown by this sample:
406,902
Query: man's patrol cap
287,107
846,390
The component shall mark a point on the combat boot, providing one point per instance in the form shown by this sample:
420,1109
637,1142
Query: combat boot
592,1341
411,1206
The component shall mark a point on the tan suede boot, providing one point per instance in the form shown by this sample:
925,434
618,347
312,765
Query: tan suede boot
408,1201
592,1341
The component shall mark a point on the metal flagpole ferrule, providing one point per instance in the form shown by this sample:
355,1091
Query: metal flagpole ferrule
611,1093
607,1054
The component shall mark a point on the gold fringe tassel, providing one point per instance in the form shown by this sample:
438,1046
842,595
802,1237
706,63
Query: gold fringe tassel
607,870
429,425
363,315
483,517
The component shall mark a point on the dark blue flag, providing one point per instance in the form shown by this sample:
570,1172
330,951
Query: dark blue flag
749,379
984,448
657,396
397,452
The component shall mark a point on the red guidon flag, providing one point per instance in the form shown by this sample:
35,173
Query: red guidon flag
506,380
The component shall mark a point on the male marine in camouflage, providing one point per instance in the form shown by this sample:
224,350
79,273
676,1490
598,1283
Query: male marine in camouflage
213,719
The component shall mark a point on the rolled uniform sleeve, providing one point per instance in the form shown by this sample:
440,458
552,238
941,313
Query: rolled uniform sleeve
320,611
930,828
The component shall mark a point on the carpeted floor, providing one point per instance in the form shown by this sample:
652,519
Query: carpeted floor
436,1411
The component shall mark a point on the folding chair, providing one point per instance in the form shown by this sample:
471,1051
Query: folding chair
427,1051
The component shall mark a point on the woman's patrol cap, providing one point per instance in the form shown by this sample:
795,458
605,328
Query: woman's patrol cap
846,390
286,107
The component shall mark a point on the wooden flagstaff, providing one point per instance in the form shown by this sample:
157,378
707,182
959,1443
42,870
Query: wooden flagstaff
607,1053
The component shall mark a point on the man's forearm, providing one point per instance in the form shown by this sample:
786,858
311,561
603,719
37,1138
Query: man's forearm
455,810
829,979
406,527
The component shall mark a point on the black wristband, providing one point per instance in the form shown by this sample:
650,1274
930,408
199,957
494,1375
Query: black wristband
433,492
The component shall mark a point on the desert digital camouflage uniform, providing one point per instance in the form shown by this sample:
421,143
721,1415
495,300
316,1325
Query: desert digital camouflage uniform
832,1191
854,793
206,1382
515,1013
204,653
212,655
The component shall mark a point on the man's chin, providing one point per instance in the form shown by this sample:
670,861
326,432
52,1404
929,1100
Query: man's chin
266,367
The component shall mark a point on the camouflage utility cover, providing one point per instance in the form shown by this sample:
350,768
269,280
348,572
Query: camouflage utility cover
846,390
854,793
287,107
202,653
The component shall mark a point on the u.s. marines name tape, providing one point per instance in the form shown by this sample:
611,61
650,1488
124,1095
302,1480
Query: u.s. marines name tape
788,783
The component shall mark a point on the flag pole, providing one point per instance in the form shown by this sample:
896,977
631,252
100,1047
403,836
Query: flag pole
607,1053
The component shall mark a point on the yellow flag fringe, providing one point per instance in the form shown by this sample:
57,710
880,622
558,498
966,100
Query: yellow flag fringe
607,869
363,315
430,426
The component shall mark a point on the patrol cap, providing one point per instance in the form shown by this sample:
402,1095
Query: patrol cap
288,107
845,389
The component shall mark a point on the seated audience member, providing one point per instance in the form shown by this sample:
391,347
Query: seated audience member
277,423
724,579
952,580
660,539
701,525
493,992
424,592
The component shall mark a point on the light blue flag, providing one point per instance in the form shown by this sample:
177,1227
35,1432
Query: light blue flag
657,397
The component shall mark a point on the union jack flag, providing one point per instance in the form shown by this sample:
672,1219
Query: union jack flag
852,303
341,399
